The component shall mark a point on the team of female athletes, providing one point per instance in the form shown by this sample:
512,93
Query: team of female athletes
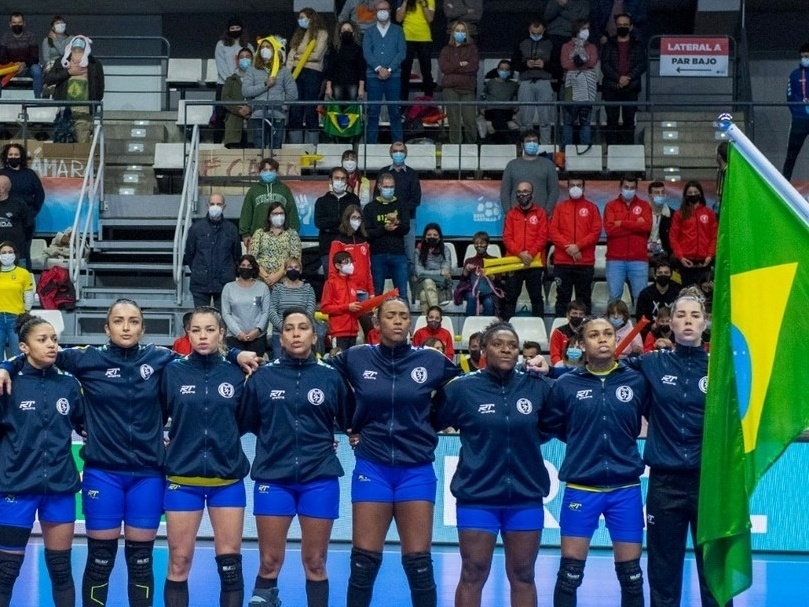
390,399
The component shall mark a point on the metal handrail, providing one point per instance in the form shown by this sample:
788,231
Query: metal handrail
91,195
188,202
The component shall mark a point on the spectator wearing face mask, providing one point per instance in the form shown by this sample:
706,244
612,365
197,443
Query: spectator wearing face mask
18,45
246,308
576,311
434,329
433,268
618,317
798,98
329,210
659,336
358,183
660,294
484,294
258,198
500,85
25,183
473,361
659,246
532,59
236,115
693,234
54,44
340,301
537,170
212,250
275,243
574,230
387,220
289,292
227,52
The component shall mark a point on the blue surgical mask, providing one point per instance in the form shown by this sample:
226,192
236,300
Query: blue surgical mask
303,23
531,148
387,193
536,37
268,176
244,63
505,75
617,322
78,43
805,62
627,194
573,354
459,37
398,157
659,200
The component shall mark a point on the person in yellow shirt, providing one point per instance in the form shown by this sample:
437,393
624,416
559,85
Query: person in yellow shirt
16,296
416,17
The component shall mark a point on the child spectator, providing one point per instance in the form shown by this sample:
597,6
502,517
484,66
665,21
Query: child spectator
434,329
340,302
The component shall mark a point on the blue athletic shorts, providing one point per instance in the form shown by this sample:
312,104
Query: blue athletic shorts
622,510
192,498
499,520
317,499
19,510
374,482
108,498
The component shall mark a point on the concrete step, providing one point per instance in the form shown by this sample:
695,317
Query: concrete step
144,130
130,151
134,246
133,179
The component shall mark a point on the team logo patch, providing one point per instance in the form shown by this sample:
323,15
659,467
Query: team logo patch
486,408
114,372
703,384
92,494
419,375
28,405
584,394
146,371
277,394
226,390
624,393
584,212
369,374
574,506
188,389
316,396
63,406
525,406
263,489
636,210
173,486
703,219
669,380
533,220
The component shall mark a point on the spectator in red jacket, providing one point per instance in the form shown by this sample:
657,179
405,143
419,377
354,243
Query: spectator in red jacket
525,235
576,311
339,301
693,234
627,221
574,231
434,329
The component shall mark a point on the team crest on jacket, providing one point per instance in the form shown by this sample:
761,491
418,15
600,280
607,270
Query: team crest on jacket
703,384
533,220
584,212
419,375
525,406
624,393
226,390
637,210
316,396
146,371
63,406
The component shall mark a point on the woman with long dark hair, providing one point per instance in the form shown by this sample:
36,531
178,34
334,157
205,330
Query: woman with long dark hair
307,48
693,234
433,268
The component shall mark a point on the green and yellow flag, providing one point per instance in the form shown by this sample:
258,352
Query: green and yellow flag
758,394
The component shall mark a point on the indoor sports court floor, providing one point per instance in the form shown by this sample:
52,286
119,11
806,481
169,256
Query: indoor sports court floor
778,579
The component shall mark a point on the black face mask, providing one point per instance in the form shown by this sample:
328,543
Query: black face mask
14,162
692,199
575,322
17,29
663,281
474,355
347,37
293,274
235,33
524,200
246,273
432,242
622,32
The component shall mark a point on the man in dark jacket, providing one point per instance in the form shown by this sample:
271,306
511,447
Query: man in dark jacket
329,210
212,252
623,62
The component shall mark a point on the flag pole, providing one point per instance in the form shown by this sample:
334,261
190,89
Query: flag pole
758,161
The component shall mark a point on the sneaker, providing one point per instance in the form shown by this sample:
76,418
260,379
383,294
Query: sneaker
266,597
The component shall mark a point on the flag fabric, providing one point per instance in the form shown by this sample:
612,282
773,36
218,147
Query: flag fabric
758,390
343,121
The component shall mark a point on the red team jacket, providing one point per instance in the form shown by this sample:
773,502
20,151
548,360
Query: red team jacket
575,222
694,238
627,242
526,231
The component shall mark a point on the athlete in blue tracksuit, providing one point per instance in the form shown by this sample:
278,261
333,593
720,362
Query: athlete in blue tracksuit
597,411
294,405
205,463
678,381
500,480
123,479
393,384
38,472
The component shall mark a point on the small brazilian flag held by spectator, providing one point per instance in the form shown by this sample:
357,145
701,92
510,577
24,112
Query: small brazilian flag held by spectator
343,120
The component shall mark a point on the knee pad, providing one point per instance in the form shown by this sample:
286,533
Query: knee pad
364,567
570,575
418,567
59,568
139,561
229,567
630,577
13,538
10,565
100,559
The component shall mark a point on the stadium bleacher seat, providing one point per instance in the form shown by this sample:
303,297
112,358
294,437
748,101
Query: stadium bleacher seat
626,159
211,73
52,316
496,157
332,155
601,261
583,159
193,114
492,249
456,157
530,329
184,74
473,324
558,322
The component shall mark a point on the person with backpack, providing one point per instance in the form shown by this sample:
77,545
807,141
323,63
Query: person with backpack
16,296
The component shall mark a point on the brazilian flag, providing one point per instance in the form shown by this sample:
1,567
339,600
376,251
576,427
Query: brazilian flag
343,120
758,389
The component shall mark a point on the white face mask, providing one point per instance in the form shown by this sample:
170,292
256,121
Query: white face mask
350,165
59,28
382,15
339,186
355,224
584,34
575,192
277,220
348,269
215,212
266,53
7,259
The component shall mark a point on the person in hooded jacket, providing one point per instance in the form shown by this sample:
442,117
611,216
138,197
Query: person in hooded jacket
257,201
